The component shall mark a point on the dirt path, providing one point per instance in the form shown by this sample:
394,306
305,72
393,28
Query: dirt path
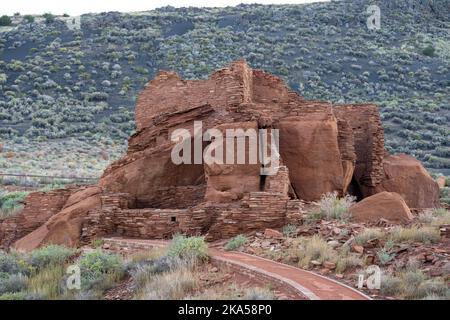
311,285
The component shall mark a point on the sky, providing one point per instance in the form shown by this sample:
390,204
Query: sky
78,7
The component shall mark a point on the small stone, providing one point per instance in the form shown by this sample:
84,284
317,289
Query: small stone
265,244
339,276
358,249
329,265
333,243
271,233
214,269
315,263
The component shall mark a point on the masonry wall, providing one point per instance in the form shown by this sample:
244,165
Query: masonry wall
38,208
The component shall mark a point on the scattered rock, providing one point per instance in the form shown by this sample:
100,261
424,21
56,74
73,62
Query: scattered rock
271,233
358,249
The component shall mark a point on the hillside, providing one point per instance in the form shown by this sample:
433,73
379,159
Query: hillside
67,94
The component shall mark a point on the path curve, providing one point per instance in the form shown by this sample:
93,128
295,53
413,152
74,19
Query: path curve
311,285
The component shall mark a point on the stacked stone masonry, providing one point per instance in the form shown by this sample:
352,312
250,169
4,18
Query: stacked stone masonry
323,147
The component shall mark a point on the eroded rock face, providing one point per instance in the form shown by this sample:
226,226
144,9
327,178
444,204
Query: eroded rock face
323,148
383,205
63,228
406,176
303,141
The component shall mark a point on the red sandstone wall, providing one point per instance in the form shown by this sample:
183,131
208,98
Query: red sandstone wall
39,207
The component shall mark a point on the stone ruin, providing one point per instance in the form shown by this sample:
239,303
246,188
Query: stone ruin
323,147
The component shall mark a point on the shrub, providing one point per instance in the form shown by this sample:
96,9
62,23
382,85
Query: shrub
28,18
314,248
332,207
12,283
368,234
428,51
99,270
426,217
385,257
49,18
289,230
442,216
14,296
411,280
390,285
5,21
423,234
97,243
49,255
188,247
12,200
9,263
259,294
174,285
346,261
48,282
236,243
433,287
143,271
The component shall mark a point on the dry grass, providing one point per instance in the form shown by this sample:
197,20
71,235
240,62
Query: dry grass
415,234
368,234
175,285
314,248
47,283
333,207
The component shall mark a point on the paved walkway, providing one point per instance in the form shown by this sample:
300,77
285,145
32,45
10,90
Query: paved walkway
311,285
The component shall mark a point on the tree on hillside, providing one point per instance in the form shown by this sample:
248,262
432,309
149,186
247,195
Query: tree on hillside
29,19
49,18
5,20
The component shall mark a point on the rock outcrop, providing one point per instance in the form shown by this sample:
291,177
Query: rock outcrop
322,147
383,205
63,228
406,176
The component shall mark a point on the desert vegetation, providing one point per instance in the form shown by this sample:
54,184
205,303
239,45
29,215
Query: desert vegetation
63,89
181,271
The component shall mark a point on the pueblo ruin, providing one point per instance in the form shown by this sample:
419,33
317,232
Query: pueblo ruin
323,148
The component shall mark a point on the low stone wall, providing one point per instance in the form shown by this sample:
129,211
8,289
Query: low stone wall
256,211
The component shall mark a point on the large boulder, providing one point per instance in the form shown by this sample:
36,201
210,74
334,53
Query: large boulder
63,228
406,176
383,205
309,147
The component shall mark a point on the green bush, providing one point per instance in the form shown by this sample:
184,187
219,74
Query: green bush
49,255
429,51
49,18
99,269
9,264
236,243
12,283
10,200
28,18
188,247
5,21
